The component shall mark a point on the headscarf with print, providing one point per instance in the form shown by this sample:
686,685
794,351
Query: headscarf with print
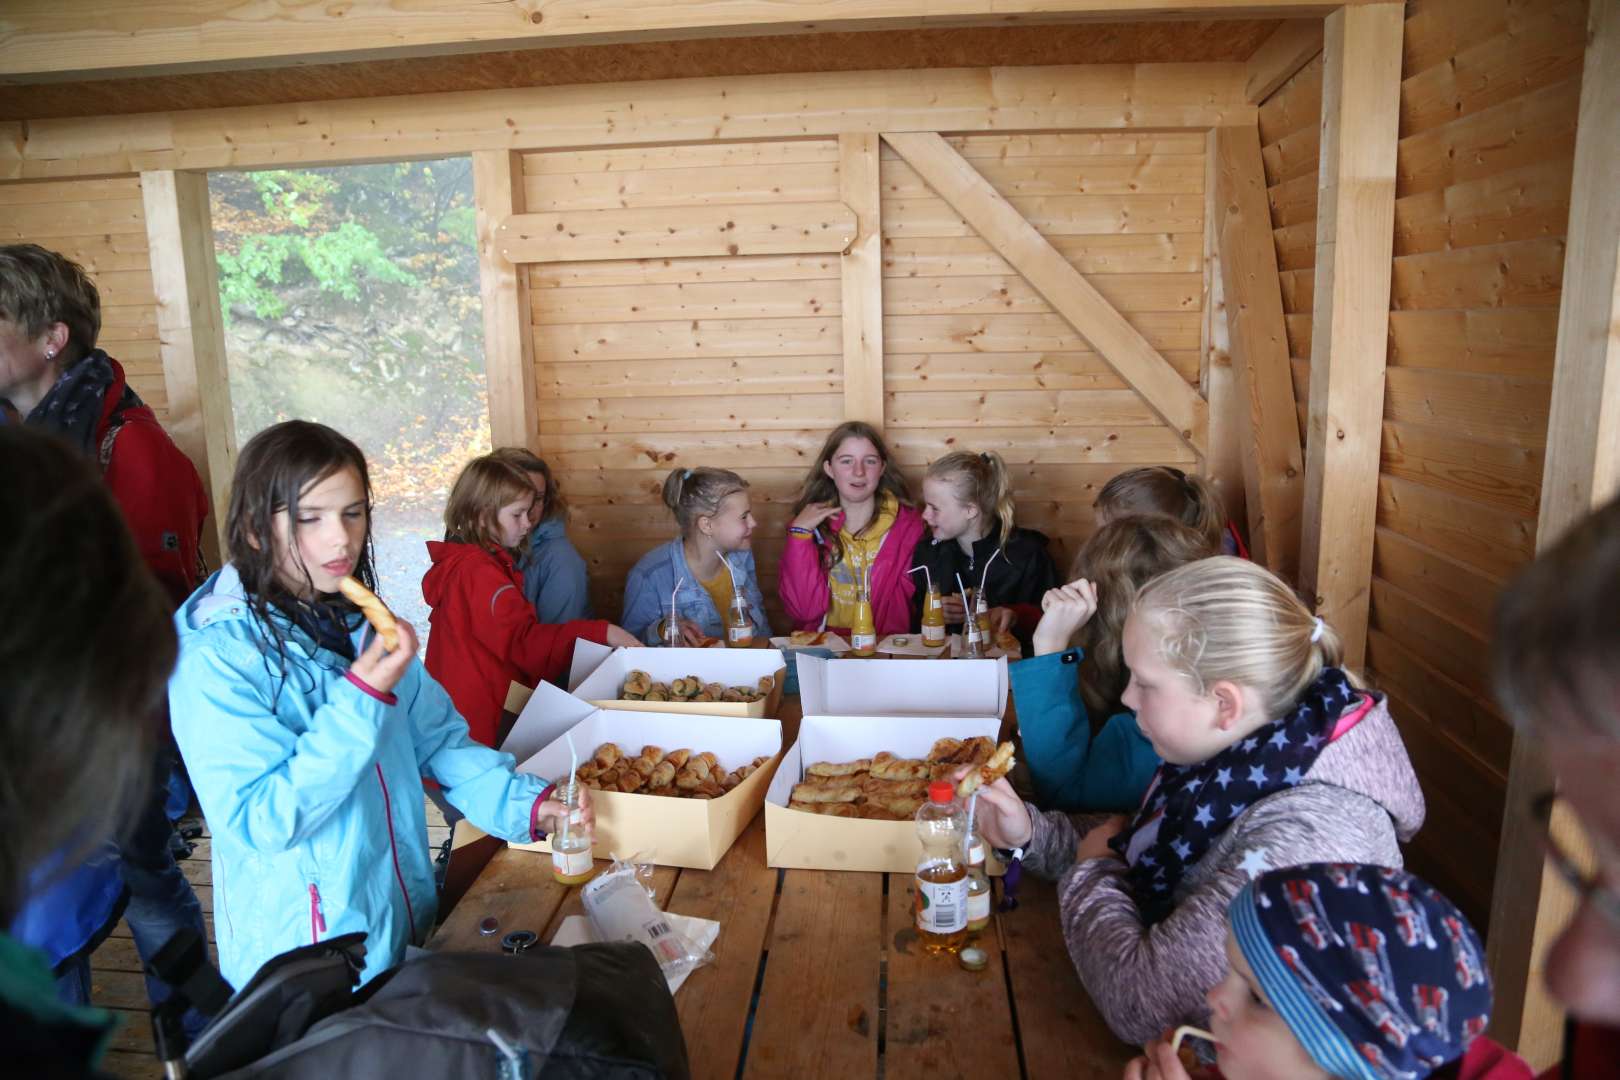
1190,806
1378,976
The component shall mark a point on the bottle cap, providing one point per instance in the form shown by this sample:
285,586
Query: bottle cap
973,958
941,791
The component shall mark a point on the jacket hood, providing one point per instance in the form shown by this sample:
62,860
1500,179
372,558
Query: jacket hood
222,598
449,560
1371,760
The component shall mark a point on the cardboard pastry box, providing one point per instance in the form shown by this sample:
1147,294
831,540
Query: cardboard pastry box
732,667
659,829
796,838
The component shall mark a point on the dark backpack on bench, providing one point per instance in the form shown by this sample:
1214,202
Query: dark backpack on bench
591,1011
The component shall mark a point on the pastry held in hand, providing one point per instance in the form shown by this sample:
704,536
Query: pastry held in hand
1000,763
376,612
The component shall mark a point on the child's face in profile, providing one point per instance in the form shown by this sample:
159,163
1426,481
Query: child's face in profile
512,521
1179,722
1253,1041
326,541
538,509
947,516
732,526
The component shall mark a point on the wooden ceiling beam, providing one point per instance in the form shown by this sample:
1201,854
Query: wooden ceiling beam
54,40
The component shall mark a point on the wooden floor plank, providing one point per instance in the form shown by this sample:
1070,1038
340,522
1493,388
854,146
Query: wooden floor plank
713,1004
1062,1032
132,1065
942,1020
818,1007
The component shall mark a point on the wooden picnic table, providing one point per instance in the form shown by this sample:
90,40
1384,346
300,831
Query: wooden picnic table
819,972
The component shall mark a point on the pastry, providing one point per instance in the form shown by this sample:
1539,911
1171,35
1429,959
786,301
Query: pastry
376,612
999,764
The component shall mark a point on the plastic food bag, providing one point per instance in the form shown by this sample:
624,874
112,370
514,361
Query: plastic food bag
621,908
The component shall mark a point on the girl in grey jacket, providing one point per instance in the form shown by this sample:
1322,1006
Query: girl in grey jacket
1272,757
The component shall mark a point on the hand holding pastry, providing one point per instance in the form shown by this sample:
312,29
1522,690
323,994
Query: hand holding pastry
1001,813
381,668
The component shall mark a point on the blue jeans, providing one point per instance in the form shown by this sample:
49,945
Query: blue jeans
161,900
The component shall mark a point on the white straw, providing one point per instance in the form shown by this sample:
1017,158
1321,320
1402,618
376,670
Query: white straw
963,589
735,588
926,574
573,778
973,803
673,623
986,575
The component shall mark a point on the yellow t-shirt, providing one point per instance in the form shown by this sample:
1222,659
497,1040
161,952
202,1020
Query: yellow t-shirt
719,590
859,552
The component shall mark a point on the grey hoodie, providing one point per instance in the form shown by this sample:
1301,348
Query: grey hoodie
1358,799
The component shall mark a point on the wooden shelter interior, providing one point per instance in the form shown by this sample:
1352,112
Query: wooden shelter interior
1087,235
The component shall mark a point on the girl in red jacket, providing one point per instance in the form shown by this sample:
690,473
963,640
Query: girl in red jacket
485,634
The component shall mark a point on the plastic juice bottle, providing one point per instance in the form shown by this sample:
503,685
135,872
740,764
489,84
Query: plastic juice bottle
933,620
978,895
571,861
672,630
739,627
942,873
863,634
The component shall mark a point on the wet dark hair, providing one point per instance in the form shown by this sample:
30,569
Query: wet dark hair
273,471
86,645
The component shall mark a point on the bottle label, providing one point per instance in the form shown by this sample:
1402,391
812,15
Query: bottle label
942,908
974,632
933,634
571,863
976,853
862,641
978,907
741,633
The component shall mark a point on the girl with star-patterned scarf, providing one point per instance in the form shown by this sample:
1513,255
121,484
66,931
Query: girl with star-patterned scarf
1272,757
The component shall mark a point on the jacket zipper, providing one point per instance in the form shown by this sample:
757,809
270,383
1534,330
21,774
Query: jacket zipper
317,918
393,848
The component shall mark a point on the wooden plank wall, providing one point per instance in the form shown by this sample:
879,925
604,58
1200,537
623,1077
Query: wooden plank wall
101,224
642,366
647,365
975,359
1488,108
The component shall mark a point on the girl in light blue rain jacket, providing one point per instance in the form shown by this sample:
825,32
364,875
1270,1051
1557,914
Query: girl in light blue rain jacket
712,509
307,740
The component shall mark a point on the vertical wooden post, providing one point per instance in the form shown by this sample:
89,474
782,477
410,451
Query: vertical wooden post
191,334
1228,414
1355,235
1529,904
508,323
1272,466
862,271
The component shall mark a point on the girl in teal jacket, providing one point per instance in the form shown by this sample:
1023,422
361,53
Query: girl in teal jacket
306,740
1078,670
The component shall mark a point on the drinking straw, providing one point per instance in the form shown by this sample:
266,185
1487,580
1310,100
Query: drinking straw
573,778
674,626
1184,1031
735,588
986,575
926,574
973,803
963,589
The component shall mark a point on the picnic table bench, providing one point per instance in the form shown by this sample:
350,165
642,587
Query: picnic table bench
819,972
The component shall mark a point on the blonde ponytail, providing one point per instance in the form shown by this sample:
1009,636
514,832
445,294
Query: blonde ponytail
979,480
1227,619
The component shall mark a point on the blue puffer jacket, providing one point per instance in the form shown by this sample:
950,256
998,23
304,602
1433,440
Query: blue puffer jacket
1070,768
554,578
647,590
65,912
312,786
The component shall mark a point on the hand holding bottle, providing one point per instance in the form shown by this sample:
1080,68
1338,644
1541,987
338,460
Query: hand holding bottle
553,809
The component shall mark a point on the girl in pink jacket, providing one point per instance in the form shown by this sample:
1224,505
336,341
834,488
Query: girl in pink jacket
853,512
